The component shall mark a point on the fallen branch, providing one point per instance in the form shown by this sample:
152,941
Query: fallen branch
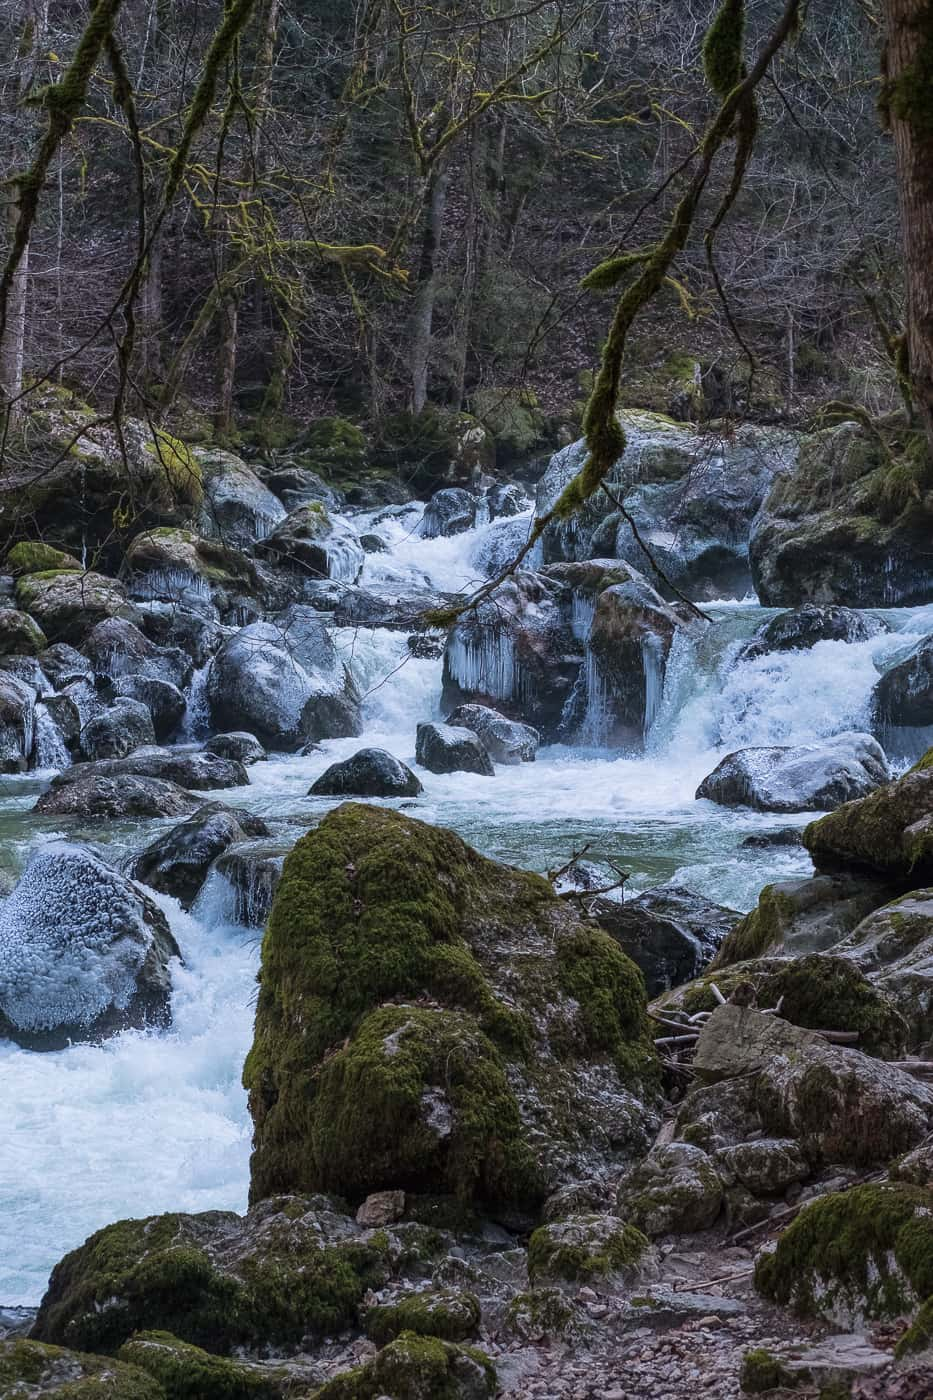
677,1039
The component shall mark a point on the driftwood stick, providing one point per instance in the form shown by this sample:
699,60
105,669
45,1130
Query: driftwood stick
672,1025
677,1040
717,994
840,1037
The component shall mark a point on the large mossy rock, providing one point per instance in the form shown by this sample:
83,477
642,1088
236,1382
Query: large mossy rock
30,1370
433,1021
584,1248
889,833
893,949
856,1256
186,1372
417,1368
178,564
67,605
802,916
19,634
850,525
290,1269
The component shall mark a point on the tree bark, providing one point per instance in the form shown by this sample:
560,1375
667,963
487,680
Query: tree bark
908,98
423,315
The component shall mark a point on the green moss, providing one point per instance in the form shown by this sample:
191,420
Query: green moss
28,1364
453,1316
417,1368
874,831
919,1335
187,1373
723,46
514,418
610,990
333,445
541,1312
831,993
871,1247
584,1248
181,469
157,1274
761,1371
760,931
31,557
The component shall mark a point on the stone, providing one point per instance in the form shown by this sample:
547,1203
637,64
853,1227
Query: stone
368,773
309,542
164,701
449,512
670,932
819,776
243,747
916,1166
63,664
193,769
676,1189
448,1313
34,1369
184,1370
505,740
417,1368
629,641
903,697
85,953
187,571
237,507
252,871
794,917
584,1248
17,723
33,557
766,1167
115,798
892,948
445,748
381,1208
803,627
178,862
117,730
67,605
20,634
840,1105
507,499
118,649
888,833
441,1062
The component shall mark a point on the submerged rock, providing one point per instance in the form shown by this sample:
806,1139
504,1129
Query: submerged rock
449,512
804,627
177,863
83,952
368,773
126,795
447,748
670,932
810,777
505,740
417,1068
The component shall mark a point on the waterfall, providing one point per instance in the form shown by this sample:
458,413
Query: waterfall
50,750
171,585
195,723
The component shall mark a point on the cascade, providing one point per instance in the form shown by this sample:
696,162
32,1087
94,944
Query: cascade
51,751
196,720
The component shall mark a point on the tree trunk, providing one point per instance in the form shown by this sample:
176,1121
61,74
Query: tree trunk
909,101
423,314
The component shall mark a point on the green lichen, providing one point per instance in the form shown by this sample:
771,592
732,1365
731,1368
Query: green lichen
583,1249
186,1372
452,1316
181,469
541,1312
875,832
31,557
417,1368
871,1247
762,1371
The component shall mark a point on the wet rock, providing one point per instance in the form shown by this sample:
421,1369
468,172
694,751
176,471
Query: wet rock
794,917
804,627
298,486
17,723
177,863
237,507
164,701
810,777
766,840
85,953
373,544
628,645
197,634
64,714
34,1369
68,605
368,773
448,1098
183,569
251,873
584,876
117,731
449,512
259,684
117,648
194,769
397,607
20,634
904,695
114,798
840,1105
63,664
890,832
446,748
239,745
893,948
670,932
506,500
505,740
676,1188
309,542
424,647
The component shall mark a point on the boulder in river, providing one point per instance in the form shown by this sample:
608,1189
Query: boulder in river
117,730
803,627
809,777
190,768
237,507
450,511
67,605
164,701
670,932
889,833
63,663
257,682
368,773
84,953
311,543
505,740
248,874
243,747
177,863
440,1061
794,917
903,697
126,795
447,748
627,649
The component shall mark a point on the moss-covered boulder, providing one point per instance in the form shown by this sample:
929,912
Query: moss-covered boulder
514,418
763,1371
288,1270
795,917
675,1189
66,604
19,634
187,1372
435,449
334,447
33,557
854,1256
826,992
447,1313
583,1248
432,1021
417,1368
170,561
889,833
850,524
893,948
32,1369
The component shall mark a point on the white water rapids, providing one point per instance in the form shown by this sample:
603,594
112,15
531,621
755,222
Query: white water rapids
155,1122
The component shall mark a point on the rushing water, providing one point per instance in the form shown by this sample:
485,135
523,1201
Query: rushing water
152,1122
